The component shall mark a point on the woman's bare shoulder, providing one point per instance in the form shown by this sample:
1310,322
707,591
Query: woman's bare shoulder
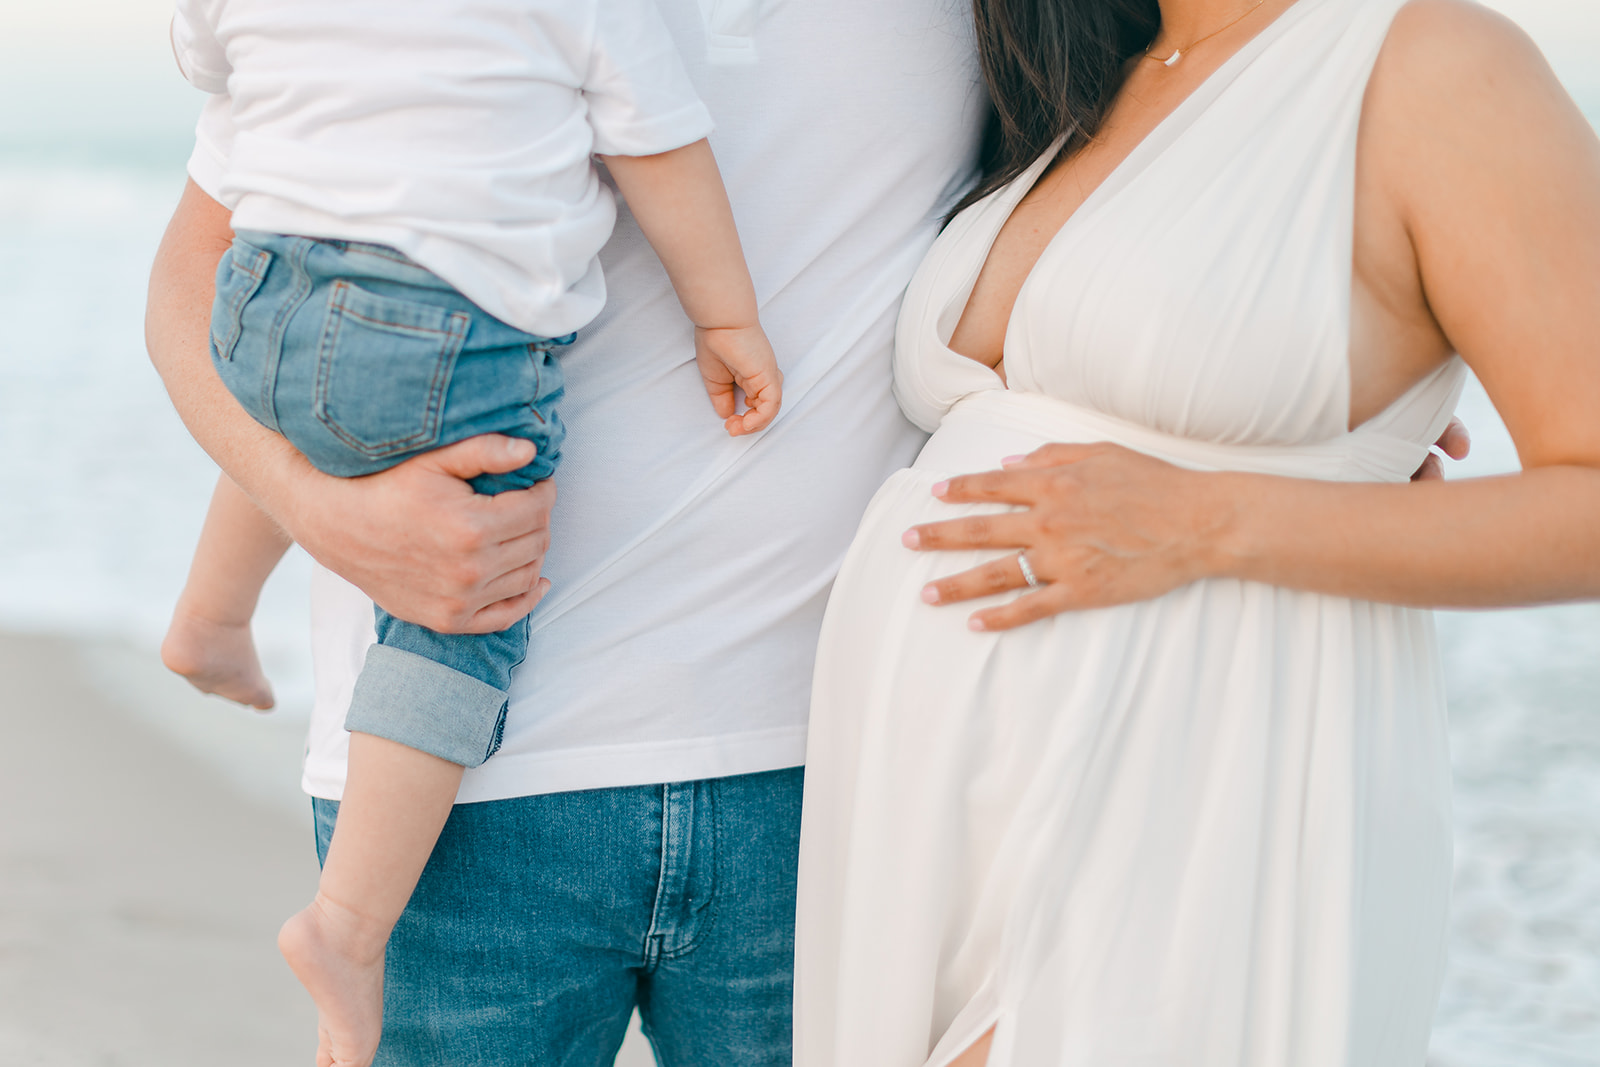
1460,43
1494,173
1454,74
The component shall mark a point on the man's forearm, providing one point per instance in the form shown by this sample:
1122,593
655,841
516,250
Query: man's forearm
177,325
415,537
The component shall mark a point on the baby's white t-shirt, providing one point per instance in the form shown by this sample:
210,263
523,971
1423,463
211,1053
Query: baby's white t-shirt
460,133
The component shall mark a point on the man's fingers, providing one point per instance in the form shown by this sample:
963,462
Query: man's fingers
502,614
1455,442
512,583
485,454
516,513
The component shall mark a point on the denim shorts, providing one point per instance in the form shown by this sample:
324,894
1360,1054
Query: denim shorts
362,359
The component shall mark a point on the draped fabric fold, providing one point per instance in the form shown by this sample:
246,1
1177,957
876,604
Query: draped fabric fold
1206,830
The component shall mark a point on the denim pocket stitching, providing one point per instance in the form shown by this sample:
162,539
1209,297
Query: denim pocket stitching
256,271
450,344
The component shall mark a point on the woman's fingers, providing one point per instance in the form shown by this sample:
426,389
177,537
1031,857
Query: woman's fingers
1001,576
1025,479
1052,455
996,576
1100,524
991,487
1041,604
1003,530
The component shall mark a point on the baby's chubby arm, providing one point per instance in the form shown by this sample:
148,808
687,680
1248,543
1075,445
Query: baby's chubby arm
415,538
680,203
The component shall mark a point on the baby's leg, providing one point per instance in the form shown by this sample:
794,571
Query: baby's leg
209,640
396,800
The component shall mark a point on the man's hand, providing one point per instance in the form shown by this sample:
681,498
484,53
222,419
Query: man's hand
415,538
424,546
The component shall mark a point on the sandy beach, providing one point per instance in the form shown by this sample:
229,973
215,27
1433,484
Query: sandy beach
139,893
153,841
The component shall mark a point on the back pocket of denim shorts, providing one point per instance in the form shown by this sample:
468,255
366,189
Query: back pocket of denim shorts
383,370
239,276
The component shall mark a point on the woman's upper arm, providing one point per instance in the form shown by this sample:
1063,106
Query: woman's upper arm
1497,176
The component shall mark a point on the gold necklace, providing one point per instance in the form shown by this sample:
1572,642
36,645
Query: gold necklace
1179,53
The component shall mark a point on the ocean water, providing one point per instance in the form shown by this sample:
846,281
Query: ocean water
103,490
102,493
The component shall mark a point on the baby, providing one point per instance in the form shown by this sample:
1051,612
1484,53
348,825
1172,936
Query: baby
418,218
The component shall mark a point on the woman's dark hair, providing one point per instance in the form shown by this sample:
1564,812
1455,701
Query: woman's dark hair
1053,68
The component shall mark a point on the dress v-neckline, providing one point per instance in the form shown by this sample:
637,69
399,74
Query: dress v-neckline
1150,148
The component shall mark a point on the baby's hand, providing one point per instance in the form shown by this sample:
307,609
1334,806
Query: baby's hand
742,357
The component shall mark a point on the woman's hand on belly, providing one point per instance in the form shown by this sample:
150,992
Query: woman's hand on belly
1100,525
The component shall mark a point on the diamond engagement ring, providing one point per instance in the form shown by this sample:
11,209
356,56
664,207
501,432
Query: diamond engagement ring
1027,570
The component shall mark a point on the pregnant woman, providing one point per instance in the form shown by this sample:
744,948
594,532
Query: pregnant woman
1214,282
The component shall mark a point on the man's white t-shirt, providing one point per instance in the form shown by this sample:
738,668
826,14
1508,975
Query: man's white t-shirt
457,131
689,569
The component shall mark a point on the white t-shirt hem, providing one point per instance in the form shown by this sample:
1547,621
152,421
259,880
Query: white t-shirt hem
506,776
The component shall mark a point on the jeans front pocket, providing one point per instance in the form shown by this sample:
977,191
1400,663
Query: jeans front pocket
239,277
383,370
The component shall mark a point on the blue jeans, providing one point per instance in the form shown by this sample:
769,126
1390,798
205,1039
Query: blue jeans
362,359
540,923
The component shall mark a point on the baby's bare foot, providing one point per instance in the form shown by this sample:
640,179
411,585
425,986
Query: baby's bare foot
216,658
338,957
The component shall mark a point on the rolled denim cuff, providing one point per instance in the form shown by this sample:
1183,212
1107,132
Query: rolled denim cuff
426,706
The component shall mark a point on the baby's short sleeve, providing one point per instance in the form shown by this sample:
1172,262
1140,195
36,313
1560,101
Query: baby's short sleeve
200,55
640,99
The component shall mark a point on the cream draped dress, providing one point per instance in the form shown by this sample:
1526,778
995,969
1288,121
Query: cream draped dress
1206,830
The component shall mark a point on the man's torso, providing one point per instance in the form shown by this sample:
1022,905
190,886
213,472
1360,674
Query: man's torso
690,570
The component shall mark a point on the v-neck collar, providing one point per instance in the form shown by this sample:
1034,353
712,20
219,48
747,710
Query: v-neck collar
1149,149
